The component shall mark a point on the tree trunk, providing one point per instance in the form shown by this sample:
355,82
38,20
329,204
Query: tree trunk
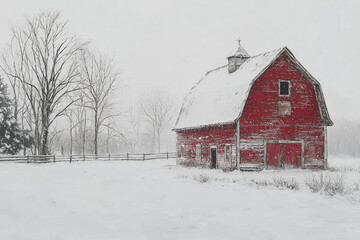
45,129
158,140
154,140
23,136
96,133
84,136
71,138
107,141
96,141
16,109
37,138
44,145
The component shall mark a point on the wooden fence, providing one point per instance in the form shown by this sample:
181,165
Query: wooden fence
77,158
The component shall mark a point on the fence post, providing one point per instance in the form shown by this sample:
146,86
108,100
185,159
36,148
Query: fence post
127,156
27,159
70,158
109,156
143,156
167,155
84,157
54,158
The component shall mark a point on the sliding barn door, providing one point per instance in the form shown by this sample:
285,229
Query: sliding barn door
281,155
273,154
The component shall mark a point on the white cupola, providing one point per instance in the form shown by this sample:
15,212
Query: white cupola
235,61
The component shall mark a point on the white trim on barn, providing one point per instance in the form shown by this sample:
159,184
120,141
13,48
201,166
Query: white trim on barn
280,81
198,152
325,147
217,157
182,152
226,153
238,145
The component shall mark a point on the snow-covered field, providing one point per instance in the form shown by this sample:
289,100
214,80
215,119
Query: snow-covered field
159,200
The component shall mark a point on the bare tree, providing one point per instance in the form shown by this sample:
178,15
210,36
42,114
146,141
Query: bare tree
20,105
99,80
16,94
43,60
133,130
157,109
113,138
82,128
14,65
74,121
56,139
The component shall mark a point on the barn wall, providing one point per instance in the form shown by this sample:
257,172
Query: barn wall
253,139
216,136
260,120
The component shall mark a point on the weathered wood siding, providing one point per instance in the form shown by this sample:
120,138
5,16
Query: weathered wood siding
260,121
219,136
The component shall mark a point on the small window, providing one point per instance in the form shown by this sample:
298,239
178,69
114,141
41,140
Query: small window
198,152
284,108
284,88
228,153
182,151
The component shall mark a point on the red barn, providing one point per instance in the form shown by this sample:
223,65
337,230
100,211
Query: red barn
257,111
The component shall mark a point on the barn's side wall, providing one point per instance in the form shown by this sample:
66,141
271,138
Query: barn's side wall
219,136
260,121
254,138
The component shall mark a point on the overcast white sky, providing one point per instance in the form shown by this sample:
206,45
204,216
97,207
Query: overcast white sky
172,44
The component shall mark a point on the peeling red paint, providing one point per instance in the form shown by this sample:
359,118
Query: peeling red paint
271,126
261,119
216,136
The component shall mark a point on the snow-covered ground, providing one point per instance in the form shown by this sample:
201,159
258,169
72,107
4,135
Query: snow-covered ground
159,200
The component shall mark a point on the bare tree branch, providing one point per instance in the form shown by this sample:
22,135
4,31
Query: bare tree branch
157,109
42,57
99,82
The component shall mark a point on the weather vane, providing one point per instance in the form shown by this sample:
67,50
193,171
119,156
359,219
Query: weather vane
239,40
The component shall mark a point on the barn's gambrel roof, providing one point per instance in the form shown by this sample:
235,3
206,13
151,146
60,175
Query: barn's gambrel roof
219,97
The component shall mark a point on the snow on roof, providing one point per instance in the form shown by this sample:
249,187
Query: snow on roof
219,97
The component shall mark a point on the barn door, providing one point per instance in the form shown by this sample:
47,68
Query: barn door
292,155
273,154
281,155
213,157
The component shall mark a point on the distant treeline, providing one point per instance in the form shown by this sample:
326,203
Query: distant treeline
344,138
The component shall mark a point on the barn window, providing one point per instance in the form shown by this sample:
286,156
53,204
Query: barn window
182,151
198,152
228,153
284,88
284,108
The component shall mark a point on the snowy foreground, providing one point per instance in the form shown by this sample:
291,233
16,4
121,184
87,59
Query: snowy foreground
159,200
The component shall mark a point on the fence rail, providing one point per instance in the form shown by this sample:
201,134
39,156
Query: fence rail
89,157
